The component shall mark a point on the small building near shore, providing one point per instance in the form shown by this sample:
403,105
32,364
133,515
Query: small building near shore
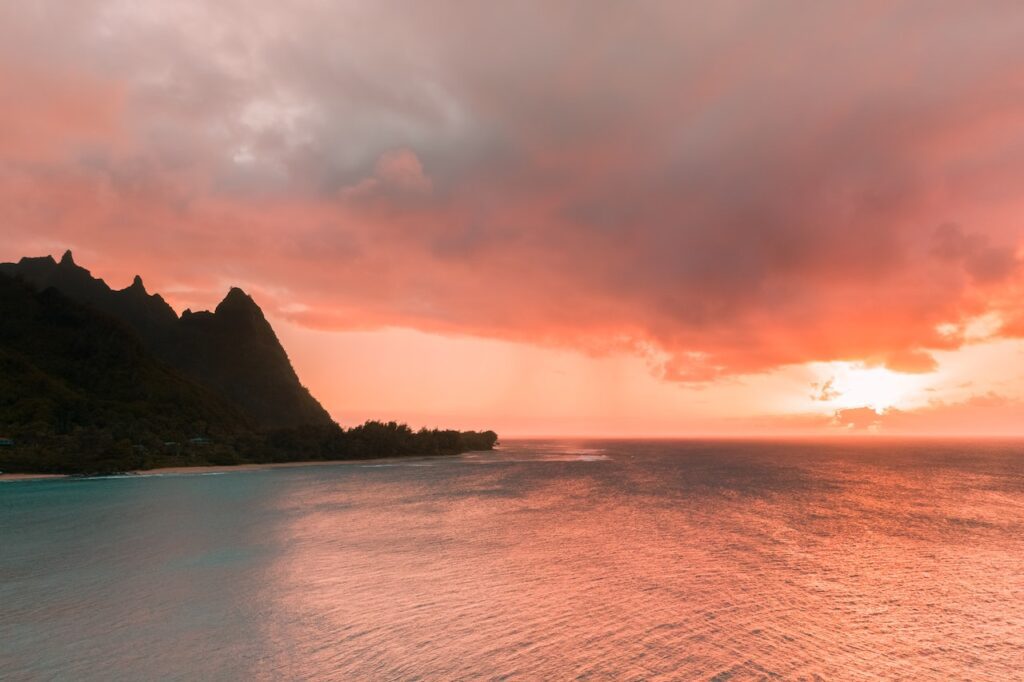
199,440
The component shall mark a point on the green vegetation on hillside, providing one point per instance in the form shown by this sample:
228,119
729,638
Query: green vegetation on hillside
232,351
80,392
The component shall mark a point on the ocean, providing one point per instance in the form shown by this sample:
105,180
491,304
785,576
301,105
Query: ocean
543,560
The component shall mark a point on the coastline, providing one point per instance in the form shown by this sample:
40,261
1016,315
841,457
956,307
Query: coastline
218,468
29,477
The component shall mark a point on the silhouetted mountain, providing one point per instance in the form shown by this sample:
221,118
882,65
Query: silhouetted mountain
232,350
82,387
98,380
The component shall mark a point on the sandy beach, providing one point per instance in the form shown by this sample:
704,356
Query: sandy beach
26,477
213,469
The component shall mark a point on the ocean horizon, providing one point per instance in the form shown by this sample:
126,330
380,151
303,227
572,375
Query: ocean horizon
544,559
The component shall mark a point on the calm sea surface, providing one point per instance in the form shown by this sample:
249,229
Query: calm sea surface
541,561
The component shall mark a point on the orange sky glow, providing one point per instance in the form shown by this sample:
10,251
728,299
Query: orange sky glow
744,219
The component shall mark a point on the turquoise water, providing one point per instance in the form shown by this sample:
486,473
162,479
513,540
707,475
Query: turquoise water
544,560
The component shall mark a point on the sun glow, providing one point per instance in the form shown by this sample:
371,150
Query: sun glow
854,385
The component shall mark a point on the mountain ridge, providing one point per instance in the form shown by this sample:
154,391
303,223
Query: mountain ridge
232,350
98,380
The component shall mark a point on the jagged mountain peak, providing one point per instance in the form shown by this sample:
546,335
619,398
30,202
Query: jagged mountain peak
137,286
237,298
232,350
37,260
238,309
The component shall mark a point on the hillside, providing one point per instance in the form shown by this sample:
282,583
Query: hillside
77,383
232,351
97,380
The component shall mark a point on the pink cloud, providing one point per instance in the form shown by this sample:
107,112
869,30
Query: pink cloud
859,418
396,174
989,412
911,362
689,183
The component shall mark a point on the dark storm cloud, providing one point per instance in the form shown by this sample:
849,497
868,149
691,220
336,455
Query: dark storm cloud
729,187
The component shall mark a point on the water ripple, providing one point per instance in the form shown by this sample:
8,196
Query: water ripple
565,560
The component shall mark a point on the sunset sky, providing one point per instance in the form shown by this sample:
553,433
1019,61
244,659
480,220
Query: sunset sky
601,218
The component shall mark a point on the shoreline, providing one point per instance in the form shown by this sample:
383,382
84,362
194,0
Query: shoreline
216,468
29,477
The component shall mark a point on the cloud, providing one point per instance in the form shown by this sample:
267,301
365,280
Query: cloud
687,182
395,174
989,412
989,399
860,418
911,362
984,263
825,392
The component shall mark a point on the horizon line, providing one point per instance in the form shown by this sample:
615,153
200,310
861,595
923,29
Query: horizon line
770,437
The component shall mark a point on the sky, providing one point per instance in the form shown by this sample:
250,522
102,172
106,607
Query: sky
578,218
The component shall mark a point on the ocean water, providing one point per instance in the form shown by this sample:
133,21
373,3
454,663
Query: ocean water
540,561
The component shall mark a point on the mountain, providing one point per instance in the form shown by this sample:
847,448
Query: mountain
96,380
75,380
232,351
